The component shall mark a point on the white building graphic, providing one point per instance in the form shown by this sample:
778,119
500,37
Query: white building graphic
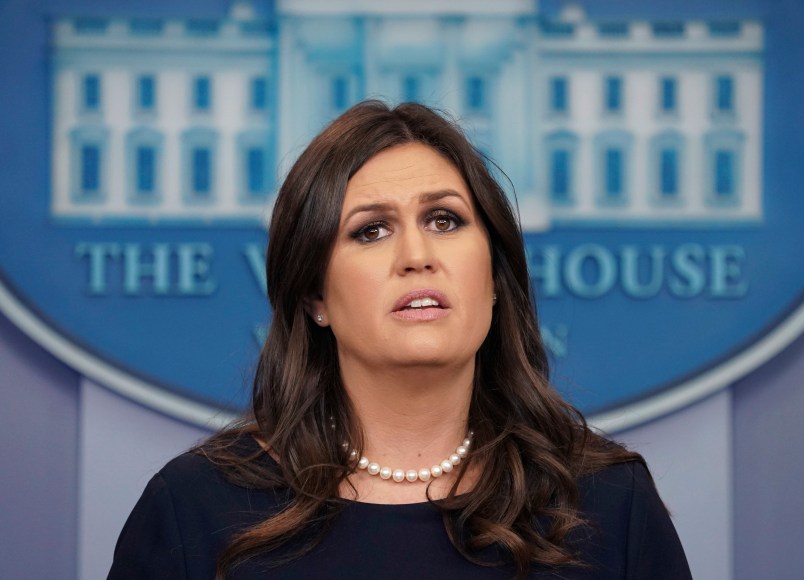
627,122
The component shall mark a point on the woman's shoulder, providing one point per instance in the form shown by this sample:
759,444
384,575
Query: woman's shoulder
188,467
190,509
616,487
622,474
621,503
214,464
610,472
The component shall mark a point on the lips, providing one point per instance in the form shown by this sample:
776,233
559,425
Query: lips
421,299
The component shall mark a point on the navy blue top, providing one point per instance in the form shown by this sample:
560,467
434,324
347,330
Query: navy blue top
189,512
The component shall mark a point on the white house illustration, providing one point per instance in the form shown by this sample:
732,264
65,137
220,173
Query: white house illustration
595,122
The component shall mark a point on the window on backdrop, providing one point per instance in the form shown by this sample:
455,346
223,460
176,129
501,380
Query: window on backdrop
613,95
91,93
202,93
559,95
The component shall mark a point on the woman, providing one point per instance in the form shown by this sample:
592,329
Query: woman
402,422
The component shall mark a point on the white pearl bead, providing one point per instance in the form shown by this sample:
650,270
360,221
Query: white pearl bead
398,475
385,472
412,475
373,468
446,466
467,443
436,471
455,459
363,463
424,474
462,451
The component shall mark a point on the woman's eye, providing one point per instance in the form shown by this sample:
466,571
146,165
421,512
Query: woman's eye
444,222
371,233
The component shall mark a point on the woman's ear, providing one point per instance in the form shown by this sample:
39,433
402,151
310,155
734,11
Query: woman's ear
314,306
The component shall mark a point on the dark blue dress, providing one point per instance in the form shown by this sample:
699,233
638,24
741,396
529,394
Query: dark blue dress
189,512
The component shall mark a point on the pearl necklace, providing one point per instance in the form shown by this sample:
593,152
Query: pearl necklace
412,475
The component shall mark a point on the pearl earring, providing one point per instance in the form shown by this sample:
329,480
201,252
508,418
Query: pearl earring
494,298
320,318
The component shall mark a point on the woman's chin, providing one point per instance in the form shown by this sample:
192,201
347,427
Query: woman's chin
429,357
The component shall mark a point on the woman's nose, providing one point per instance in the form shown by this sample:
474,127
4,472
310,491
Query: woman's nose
415,253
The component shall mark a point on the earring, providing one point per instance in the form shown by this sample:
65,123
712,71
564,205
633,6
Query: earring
320,318
494,298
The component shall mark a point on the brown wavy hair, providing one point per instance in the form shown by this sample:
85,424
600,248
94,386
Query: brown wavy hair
533,445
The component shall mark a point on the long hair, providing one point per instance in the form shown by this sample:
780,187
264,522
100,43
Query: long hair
532,444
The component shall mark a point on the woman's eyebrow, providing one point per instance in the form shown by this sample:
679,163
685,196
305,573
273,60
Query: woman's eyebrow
379,206
440,194
427,197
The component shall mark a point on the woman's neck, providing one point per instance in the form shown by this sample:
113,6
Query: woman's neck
412,418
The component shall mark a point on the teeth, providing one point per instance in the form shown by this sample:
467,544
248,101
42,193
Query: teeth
423,303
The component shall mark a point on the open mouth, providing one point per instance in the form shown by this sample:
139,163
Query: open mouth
420,303
424,304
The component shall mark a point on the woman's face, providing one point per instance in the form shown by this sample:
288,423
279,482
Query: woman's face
409,282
